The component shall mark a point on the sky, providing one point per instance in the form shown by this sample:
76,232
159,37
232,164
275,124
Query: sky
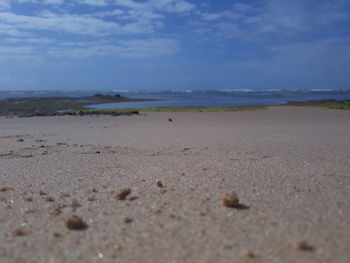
174,44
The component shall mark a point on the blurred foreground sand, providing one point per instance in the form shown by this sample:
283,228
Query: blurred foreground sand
290,167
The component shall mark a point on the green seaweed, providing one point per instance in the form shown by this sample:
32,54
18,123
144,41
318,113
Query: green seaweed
337,106
47,106
172,109
329,104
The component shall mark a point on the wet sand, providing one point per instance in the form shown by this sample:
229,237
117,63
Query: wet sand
289,167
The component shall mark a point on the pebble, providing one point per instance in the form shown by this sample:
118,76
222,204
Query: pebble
123,193
304,245
75,223
159,183
230,199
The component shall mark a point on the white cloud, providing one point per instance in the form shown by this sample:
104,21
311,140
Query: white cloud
55,2
288,17
221,15
17,51
325,58
18,48
171,6
129,4
73,24
95,2
103,33
4,5
134,48
27,1
266,17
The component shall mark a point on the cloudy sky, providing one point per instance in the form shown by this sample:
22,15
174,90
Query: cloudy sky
174,44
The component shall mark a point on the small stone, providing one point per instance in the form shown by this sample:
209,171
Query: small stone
159,183
29,199
42,192
128,220
230,199
123,194
27,155
19,232
20,140
170,120
49,199
5,189
248,254
57,235
75,223
133,198
304,245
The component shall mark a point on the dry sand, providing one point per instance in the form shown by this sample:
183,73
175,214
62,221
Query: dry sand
289,167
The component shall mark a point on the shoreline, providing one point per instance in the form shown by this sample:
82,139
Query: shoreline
61,106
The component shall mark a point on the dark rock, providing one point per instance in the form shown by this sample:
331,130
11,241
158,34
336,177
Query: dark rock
75,223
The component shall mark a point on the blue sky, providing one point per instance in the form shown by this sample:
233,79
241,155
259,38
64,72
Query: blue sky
174,44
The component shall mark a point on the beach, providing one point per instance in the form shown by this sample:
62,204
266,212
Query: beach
289,167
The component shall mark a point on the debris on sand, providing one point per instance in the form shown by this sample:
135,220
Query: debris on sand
123,194
5,189
74,222
29,199
304,245
93,190
133,198
128,220
42,192
230,199
248,254
57,235
49,199
20,140
19,232
159,183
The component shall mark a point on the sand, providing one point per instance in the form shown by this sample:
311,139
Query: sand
289,167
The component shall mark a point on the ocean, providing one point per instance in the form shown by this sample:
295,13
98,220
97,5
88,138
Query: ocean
194,97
